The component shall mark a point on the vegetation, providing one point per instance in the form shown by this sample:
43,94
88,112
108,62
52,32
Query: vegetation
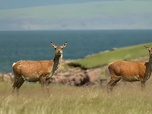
126,99
101,59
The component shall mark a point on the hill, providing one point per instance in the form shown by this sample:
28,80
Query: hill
103,58
91,15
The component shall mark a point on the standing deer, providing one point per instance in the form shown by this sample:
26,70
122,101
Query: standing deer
130,71
34,71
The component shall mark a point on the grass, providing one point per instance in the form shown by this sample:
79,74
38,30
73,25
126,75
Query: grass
101,59
125,99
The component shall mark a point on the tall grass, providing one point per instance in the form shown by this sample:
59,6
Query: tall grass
125,99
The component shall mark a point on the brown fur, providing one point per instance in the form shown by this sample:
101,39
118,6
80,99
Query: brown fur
130,71
34,71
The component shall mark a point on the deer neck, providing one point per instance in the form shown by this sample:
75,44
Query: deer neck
149,68
150,63
56,62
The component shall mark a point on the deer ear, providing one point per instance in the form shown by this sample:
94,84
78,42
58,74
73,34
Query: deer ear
64,45
148,48
53,45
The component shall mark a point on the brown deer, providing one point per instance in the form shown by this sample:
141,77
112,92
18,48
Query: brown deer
34,71
130,71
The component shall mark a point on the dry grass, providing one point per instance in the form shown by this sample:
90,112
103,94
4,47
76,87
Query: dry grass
125,99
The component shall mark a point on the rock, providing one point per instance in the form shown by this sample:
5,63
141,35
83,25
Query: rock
7,77
72,76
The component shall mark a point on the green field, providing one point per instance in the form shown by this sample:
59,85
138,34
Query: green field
125,53
125,99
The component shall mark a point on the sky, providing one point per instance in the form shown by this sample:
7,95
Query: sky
75,14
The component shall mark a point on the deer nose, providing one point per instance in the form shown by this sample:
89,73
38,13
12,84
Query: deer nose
59,52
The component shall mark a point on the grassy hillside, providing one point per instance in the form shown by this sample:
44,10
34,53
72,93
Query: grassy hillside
101,59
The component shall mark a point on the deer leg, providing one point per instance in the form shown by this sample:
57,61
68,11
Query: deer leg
14,84
21,81
42,81
17,84
112,83
45,83
143,86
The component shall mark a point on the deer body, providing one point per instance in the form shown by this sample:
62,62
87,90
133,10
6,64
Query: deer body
130,71
34,71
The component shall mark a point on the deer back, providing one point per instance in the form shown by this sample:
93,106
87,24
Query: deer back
127,68
33,68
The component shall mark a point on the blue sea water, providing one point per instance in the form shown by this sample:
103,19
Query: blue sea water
35,45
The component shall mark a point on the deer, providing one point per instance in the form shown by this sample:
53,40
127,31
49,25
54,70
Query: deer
130,71
40,70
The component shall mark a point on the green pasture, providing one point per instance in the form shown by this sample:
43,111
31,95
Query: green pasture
103,58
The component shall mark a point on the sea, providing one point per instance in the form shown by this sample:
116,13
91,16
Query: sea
35,45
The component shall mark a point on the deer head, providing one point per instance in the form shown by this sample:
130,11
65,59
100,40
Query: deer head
149,50
59,49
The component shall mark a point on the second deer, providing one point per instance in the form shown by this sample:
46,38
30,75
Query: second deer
130,71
